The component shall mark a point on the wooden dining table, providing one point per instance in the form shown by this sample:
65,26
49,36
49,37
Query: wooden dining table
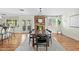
34,37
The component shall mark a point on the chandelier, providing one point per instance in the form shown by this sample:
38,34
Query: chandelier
40,11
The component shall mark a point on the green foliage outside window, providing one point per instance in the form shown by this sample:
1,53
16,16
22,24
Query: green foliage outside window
11,22
40,28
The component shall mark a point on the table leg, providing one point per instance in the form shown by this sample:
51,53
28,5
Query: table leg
2,39
33,42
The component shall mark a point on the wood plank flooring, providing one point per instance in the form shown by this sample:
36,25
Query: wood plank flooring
11,43
68,43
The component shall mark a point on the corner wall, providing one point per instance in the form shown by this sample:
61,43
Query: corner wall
66,29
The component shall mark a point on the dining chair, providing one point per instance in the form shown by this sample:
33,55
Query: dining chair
9,32
49,33
42,40
0,33
31,35
3,34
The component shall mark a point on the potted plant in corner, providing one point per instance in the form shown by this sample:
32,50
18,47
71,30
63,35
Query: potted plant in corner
59,26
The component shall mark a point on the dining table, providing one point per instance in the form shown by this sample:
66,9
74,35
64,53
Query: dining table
34,36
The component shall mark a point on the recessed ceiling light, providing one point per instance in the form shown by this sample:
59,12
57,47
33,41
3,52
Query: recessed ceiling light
21,9
3,14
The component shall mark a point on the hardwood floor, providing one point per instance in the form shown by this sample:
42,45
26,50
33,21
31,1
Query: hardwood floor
68,43
11,43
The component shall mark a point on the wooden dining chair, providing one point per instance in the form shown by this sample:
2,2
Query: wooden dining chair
49,34
30,36
42,40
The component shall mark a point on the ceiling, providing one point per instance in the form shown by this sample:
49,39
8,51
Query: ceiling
35,11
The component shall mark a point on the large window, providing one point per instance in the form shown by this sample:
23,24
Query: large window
11,22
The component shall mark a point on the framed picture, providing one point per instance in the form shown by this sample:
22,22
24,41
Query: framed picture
39,28
40,20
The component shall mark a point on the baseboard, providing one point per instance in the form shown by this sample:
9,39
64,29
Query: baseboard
69,37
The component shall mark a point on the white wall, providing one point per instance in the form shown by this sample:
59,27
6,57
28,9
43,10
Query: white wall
20,19
67,30
19,22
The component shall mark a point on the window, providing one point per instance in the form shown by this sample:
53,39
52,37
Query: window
11,22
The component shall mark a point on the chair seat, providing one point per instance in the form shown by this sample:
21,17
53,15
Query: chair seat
41,41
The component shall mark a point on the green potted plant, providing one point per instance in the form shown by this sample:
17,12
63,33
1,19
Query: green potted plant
59,25
59,22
